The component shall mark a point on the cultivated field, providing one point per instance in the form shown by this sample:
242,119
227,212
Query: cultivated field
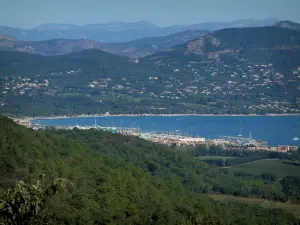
209,157
271,166
288,207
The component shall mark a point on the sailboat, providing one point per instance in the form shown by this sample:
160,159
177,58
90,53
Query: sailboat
95,124
240,134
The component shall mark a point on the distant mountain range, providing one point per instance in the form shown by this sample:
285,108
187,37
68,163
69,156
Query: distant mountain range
146,46
119,31
49,47
134,49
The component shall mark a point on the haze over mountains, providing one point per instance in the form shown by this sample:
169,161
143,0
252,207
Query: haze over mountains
134,49
120,31
146,46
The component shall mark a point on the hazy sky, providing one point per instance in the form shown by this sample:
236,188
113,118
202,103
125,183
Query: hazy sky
31,13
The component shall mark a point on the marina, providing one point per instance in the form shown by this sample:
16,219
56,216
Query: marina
245,140
256,132
275,130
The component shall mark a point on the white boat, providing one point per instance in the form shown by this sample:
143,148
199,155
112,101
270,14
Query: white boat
240,134
295,139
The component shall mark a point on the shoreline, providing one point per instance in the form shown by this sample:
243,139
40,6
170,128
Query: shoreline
143,115
32,121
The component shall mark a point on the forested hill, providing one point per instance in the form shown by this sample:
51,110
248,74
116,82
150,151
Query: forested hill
89,81
92,61
114,179
48,47
238,43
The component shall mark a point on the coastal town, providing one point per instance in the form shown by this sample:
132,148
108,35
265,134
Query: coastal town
228,142
177,139
150,112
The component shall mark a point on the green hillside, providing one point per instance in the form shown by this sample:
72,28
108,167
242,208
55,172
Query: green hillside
48,47
114,179
17,63
86,82
236,44
279,168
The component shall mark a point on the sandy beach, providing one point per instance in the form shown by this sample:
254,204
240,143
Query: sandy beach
136,115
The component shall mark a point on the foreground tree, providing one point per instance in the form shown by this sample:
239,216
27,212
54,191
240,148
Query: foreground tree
24,205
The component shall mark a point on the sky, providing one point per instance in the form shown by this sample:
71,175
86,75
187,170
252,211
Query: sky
31,13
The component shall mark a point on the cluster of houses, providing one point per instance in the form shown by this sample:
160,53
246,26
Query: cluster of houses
18,86
239,80
243,81
279,148
206,80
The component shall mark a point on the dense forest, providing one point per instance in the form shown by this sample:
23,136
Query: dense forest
96,177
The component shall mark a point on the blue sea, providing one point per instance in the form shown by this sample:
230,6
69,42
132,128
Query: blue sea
276,130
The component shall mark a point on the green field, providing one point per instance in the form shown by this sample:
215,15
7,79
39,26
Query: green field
270,166
212,157
288,207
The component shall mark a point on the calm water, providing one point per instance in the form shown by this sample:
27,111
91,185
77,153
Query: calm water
276,130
